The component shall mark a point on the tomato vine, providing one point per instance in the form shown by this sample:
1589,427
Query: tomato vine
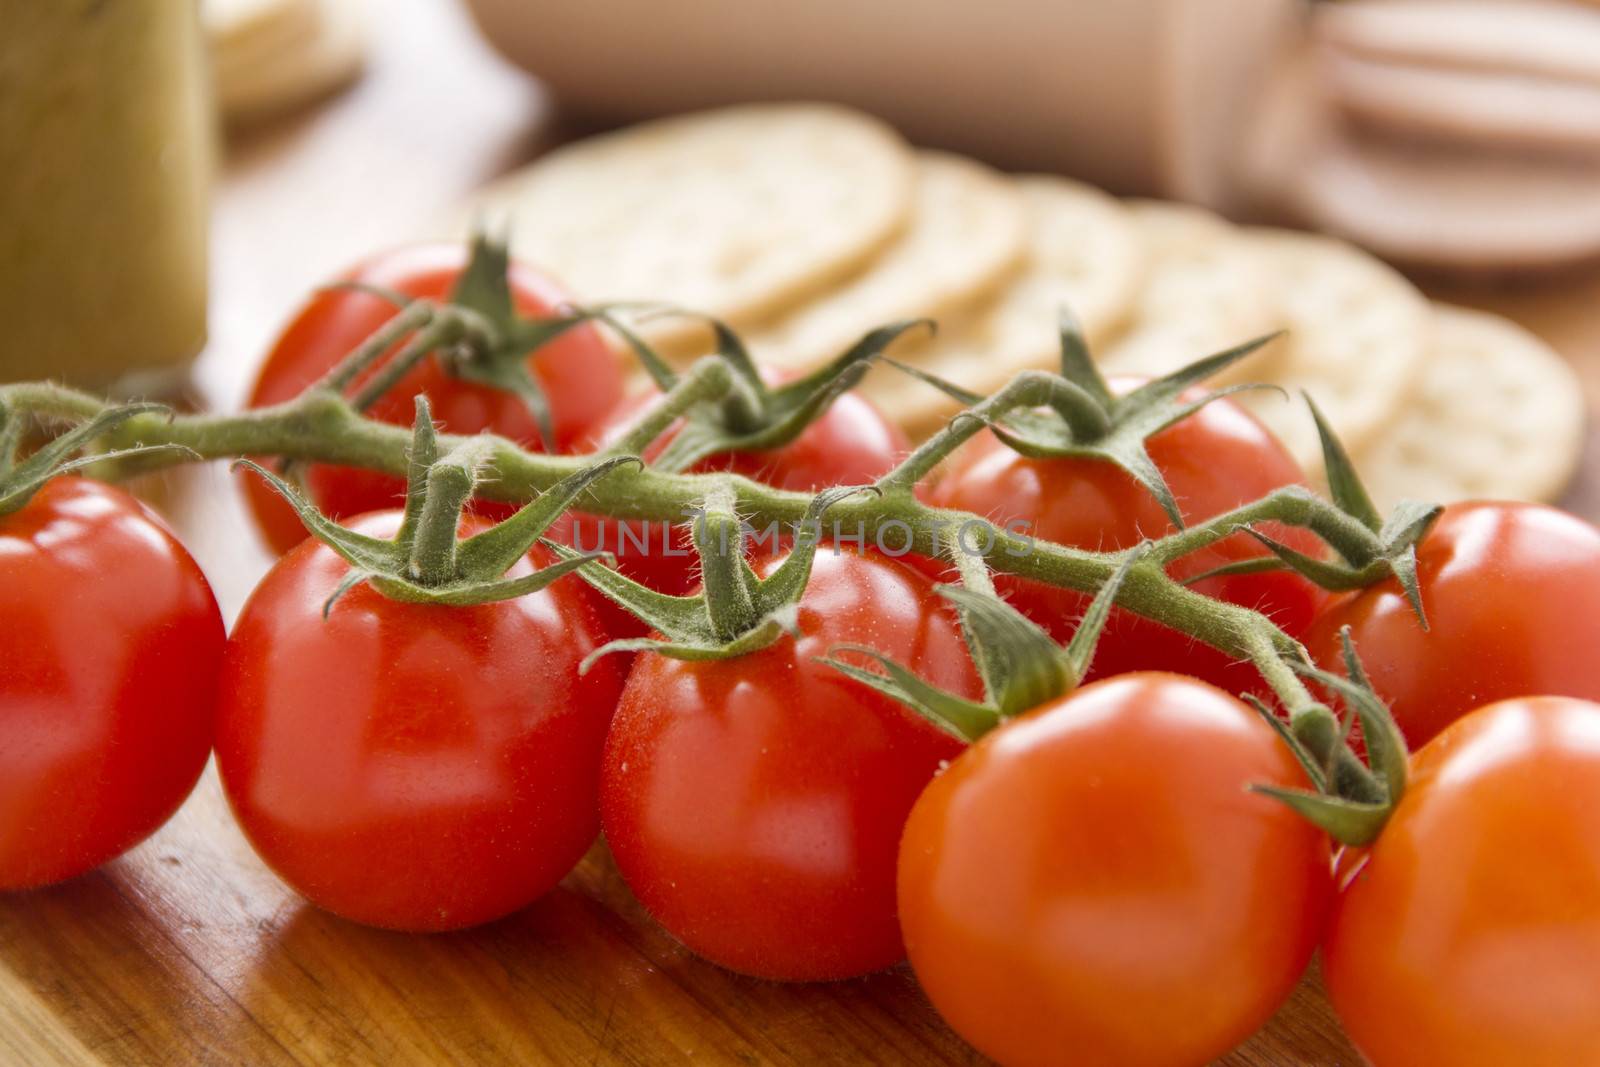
323,425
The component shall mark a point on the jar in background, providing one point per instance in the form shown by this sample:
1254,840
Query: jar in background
107,137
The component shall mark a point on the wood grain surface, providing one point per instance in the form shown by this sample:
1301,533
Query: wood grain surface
187,951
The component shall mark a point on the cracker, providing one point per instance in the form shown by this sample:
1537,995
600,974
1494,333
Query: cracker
1203,292
1554,41
1491,213
965,236
265,65
1471,108
1358,337
1496,414
738,212
1082,252
233,24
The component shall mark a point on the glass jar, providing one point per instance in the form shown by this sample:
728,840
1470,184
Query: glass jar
107,136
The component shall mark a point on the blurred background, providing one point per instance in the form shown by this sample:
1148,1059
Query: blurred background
178,178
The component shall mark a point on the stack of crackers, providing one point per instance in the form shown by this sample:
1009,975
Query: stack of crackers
271,56
1458,135
803,226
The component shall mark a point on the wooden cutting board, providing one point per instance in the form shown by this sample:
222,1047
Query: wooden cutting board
187,951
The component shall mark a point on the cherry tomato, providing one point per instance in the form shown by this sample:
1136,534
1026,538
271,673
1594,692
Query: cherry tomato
1214,460
850,444
1093,884
1512,594
1469,935
110,644
754,804
581,377
412,766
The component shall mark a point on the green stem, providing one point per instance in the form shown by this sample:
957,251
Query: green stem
973,568
1027,389
322,427
48,400
434,541
1084,415
413,316
10,440
1292,505
708,379
442,331
1352,540
724,573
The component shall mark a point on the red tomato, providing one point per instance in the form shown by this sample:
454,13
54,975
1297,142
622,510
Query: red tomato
1512,593
1092,883
412,766
1216,459
850,444
754,804
581,377
110,642
1470,934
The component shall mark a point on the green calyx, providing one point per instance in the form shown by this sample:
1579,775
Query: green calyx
427,562
1021,665
21,477
484,288
476,334
1075,414
1351,808
736,611
1369,547
748,415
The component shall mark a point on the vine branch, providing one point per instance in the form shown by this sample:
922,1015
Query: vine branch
322,426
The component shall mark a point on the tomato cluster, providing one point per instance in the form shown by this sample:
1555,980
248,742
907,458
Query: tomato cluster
576,370
1215,460
1095,881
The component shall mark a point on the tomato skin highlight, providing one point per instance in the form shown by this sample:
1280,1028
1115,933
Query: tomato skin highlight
413,766
1512,593
110,645
1216,459
1470,934
754,805
581,376
1092,884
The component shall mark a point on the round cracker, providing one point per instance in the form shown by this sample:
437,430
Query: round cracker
1466,107
1551,41
1358,338
1494,213
246,37
738,212
965,236
239,23
1081,253
1496,414
294,65
1203,292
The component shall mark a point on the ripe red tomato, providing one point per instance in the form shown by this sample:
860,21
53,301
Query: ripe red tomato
1512,593
1214,460
1469,934
581,377
110,643
850,444
754,804
1092,883
412,766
